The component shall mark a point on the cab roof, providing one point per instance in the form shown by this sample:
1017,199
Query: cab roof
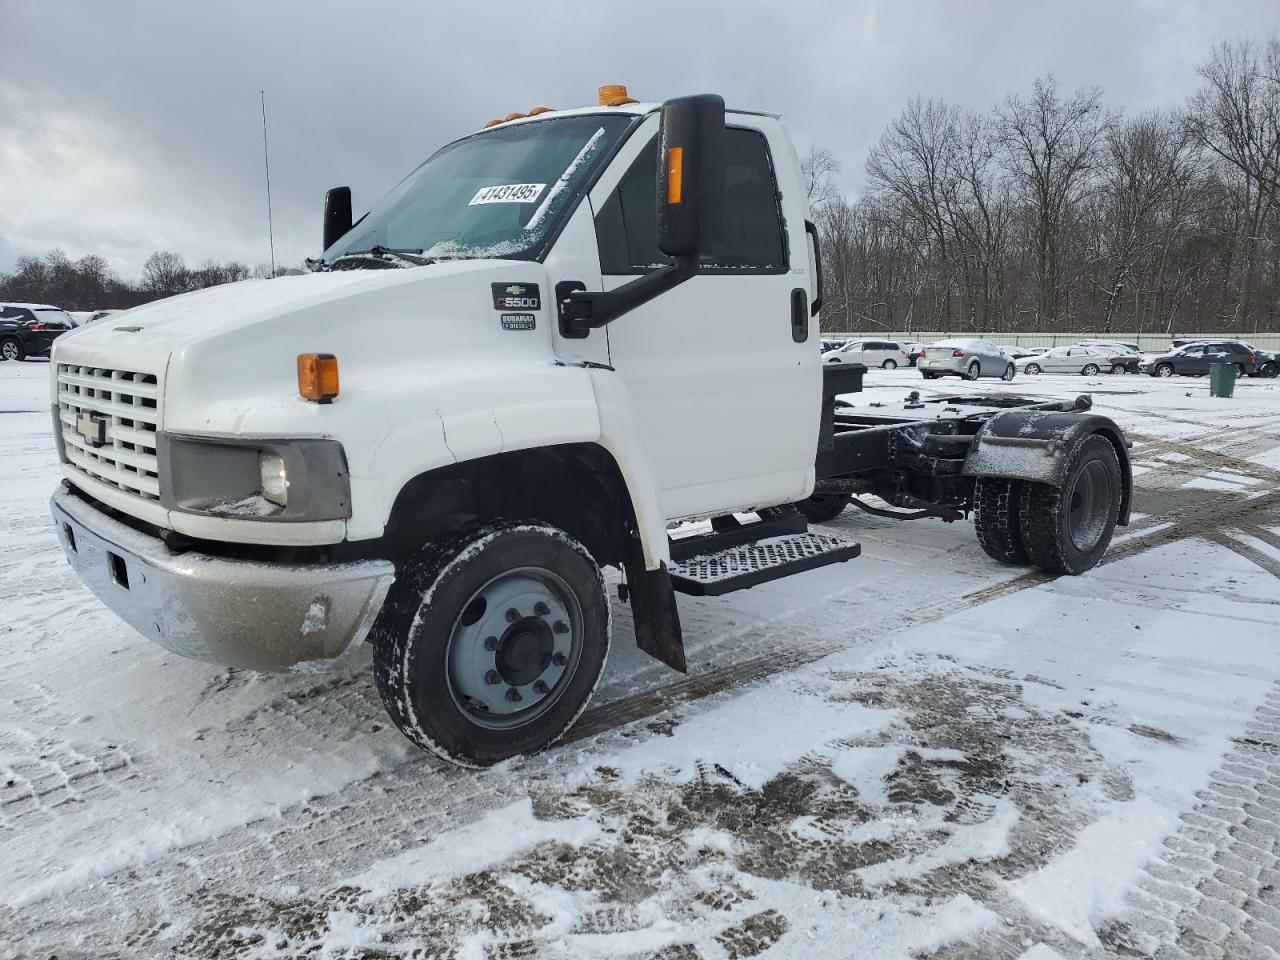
631,109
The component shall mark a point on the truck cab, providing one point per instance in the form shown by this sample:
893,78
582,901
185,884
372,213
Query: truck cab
557,336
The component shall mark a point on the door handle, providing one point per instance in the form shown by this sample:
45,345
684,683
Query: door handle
799,315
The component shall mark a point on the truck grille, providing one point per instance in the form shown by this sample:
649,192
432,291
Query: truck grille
128,402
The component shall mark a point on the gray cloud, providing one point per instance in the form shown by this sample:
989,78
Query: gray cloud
132,126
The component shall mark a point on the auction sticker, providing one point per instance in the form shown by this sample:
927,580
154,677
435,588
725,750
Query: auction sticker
508,193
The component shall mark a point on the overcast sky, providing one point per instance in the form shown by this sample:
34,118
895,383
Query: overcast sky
131,126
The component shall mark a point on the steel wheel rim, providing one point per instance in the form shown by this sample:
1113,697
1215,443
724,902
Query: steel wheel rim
521,631
1089,505
10,350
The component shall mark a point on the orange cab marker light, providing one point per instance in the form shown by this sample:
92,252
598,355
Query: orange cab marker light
318,376
675,175
614,95
537,110
512,116
492,123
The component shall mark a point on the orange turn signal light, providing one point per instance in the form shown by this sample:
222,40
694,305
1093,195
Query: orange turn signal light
675,174
318,376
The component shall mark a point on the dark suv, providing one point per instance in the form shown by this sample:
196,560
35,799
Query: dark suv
29,329
1194,359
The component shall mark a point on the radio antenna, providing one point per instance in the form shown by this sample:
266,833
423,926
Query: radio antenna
266,163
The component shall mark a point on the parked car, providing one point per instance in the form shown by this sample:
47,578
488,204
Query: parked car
1194,359
873,353
970,359
914,351
1125,356
1124,345
1016,353
1089,361
1268,363
29,329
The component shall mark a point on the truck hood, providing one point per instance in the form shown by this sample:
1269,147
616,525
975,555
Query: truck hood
177,322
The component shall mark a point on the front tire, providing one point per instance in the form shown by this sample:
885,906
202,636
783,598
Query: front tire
890,364
823,507
1009,373
491,641
1163,370
1032,368
1067,529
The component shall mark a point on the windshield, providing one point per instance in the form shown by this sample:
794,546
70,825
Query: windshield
494,194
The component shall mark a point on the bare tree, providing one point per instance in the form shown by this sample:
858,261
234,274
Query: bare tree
165,273
1052,144
819,170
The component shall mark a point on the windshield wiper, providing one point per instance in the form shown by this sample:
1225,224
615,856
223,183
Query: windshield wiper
406,254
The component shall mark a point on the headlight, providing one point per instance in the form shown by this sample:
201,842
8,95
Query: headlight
274,477
254,478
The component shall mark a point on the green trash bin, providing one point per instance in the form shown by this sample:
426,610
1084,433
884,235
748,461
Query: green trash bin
1222,379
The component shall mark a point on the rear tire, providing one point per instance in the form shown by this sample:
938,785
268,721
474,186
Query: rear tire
974,371
996,502
1090,370
11,349
823,507
491,641
1032,368
1067,529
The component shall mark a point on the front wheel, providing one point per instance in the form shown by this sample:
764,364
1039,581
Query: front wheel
1241,371
1067,529
1008,372
1032,368
823,507
1269,369
1164,370
491,641
973,372
890,364
1117,368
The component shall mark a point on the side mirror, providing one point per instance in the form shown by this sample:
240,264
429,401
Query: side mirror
691,175
337,215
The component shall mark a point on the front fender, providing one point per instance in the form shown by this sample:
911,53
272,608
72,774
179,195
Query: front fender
1036,445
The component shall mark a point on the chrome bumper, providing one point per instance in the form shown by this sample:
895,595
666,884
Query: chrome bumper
260,616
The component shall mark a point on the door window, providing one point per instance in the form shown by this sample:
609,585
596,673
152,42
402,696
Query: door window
754,240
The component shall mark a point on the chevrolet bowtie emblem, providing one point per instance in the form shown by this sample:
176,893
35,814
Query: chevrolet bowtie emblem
515,290
93,428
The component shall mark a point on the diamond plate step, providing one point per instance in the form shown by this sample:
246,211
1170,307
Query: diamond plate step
738,568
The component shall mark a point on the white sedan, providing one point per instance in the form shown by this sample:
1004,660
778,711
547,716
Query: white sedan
1089,361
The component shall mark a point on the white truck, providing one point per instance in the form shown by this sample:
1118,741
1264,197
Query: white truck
550,341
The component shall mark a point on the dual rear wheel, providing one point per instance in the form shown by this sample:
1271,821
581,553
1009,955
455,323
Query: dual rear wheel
1064,529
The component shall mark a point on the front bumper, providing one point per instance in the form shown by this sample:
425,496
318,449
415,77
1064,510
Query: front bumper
251,614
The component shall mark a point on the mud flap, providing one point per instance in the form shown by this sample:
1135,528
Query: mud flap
653,609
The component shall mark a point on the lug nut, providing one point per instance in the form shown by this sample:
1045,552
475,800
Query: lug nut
560,659
541,688
541,609
492,677
560,627
512,614
513,695
491,643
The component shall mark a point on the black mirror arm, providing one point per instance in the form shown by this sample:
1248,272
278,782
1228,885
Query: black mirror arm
580,310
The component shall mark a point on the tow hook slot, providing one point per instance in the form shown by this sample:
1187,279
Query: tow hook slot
119,570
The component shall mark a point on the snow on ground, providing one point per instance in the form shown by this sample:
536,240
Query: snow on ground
918,753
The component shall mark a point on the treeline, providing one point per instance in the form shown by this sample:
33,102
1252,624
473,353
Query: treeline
89,284
1053,212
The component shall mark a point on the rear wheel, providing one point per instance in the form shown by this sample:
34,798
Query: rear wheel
1009,372
1241,371
1067,529
973,372
995,518
823,507
1090,370
890,364
1032,368
491,641
11,349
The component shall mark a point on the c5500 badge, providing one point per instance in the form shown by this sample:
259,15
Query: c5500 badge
516,296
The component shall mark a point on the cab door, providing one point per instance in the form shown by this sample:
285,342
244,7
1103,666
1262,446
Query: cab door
722,372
